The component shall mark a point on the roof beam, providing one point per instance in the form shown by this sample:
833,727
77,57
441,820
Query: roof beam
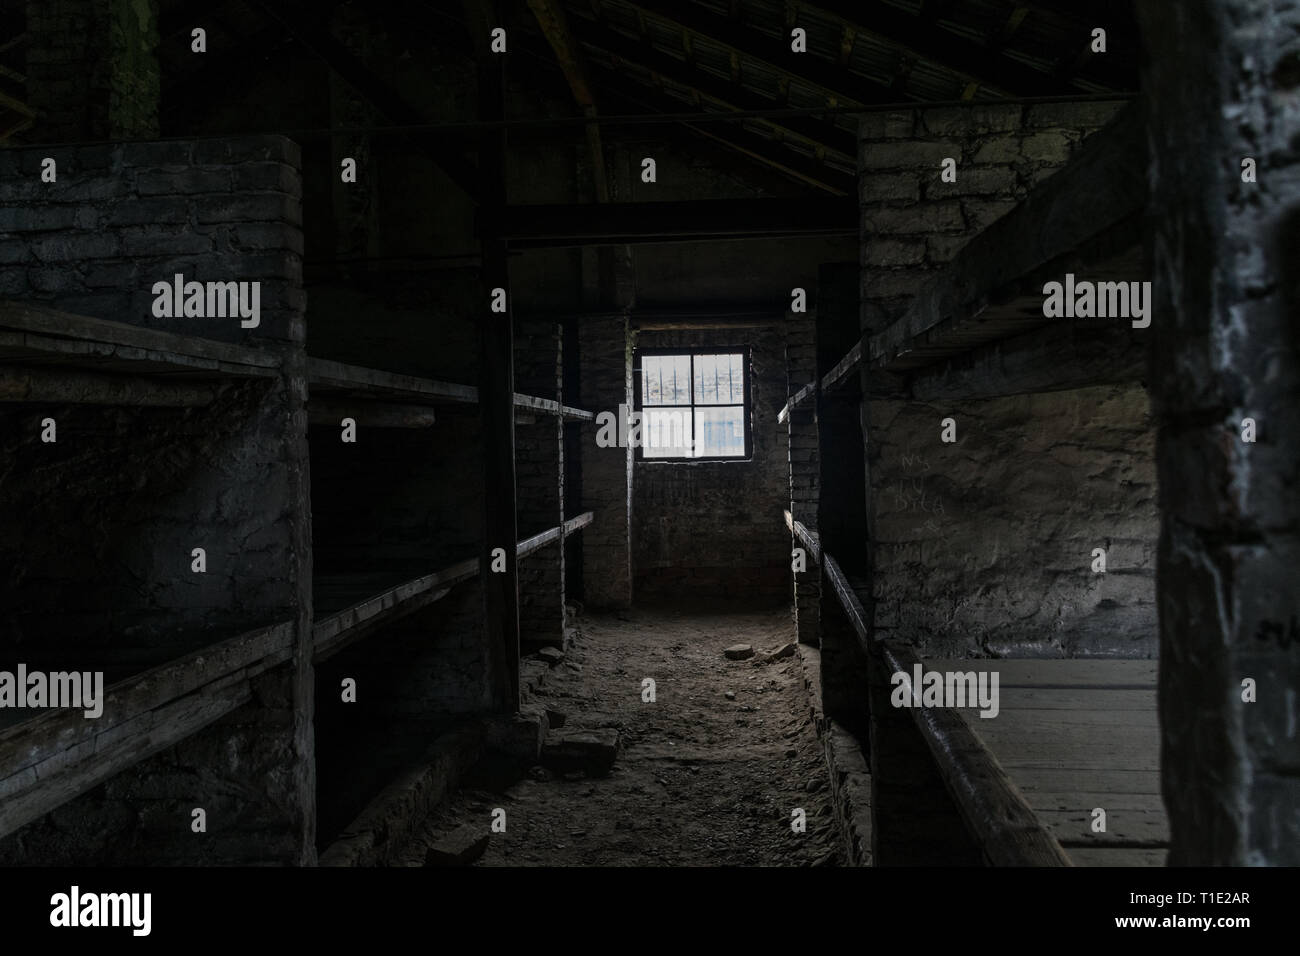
806,170
625,49
837,85
973,62
550,17
317,37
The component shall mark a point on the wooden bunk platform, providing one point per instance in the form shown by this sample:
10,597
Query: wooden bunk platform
1074,736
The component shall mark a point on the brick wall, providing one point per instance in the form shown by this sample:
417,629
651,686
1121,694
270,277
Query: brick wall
121,218
539,474
604,348
985,546
710,528
805,468
99,526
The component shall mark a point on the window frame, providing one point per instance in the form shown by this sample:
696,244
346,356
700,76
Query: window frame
747,405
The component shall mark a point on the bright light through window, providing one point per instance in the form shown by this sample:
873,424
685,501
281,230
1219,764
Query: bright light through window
693,405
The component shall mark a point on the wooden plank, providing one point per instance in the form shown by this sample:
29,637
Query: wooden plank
46,761
33,741
1042,800
1067,780
797,399
1047,722
1132,828
808,539
496,387
1094,192
995,811
169,346
1117,856
1039,698
89,388
334,632
324,374
1063,355
58,780
29,350
843,369
578,522
849,600
369,414
537,541
1056,672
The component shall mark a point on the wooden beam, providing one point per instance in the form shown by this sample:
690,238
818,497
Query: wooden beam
28,330
800,397
555,26
345,627
538,541
88,388
496,387
996,813
1063,355
49,760
326,375
808,539
539,225
369,414
732,96
1094,199
971,61
692,18
844,370
316,36
801,168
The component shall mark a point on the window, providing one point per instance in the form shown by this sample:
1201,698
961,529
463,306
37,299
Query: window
694,405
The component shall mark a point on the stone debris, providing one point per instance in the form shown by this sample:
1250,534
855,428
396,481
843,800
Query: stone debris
591,751
738,652
461,847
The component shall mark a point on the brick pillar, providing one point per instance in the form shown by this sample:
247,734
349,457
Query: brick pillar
1226,298
92,69
606,347
539,467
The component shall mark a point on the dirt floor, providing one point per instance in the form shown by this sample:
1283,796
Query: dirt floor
702,780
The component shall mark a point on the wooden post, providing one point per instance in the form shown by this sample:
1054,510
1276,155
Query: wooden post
496,387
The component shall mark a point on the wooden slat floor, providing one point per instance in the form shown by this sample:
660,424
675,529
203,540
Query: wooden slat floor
1075,735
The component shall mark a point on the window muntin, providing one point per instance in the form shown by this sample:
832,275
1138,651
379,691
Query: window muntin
694,404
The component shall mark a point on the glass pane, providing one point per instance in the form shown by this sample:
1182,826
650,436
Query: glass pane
719,379
666,433
720,432
665,379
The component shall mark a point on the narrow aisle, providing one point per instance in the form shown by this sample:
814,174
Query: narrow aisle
702,778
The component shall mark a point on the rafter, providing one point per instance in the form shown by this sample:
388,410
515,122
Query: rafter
555,26
972,61
623,49
317,37
836,84
763,151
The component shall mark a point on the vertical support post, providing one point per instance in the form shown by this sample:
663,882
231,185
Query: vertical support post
496,385
1222,240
